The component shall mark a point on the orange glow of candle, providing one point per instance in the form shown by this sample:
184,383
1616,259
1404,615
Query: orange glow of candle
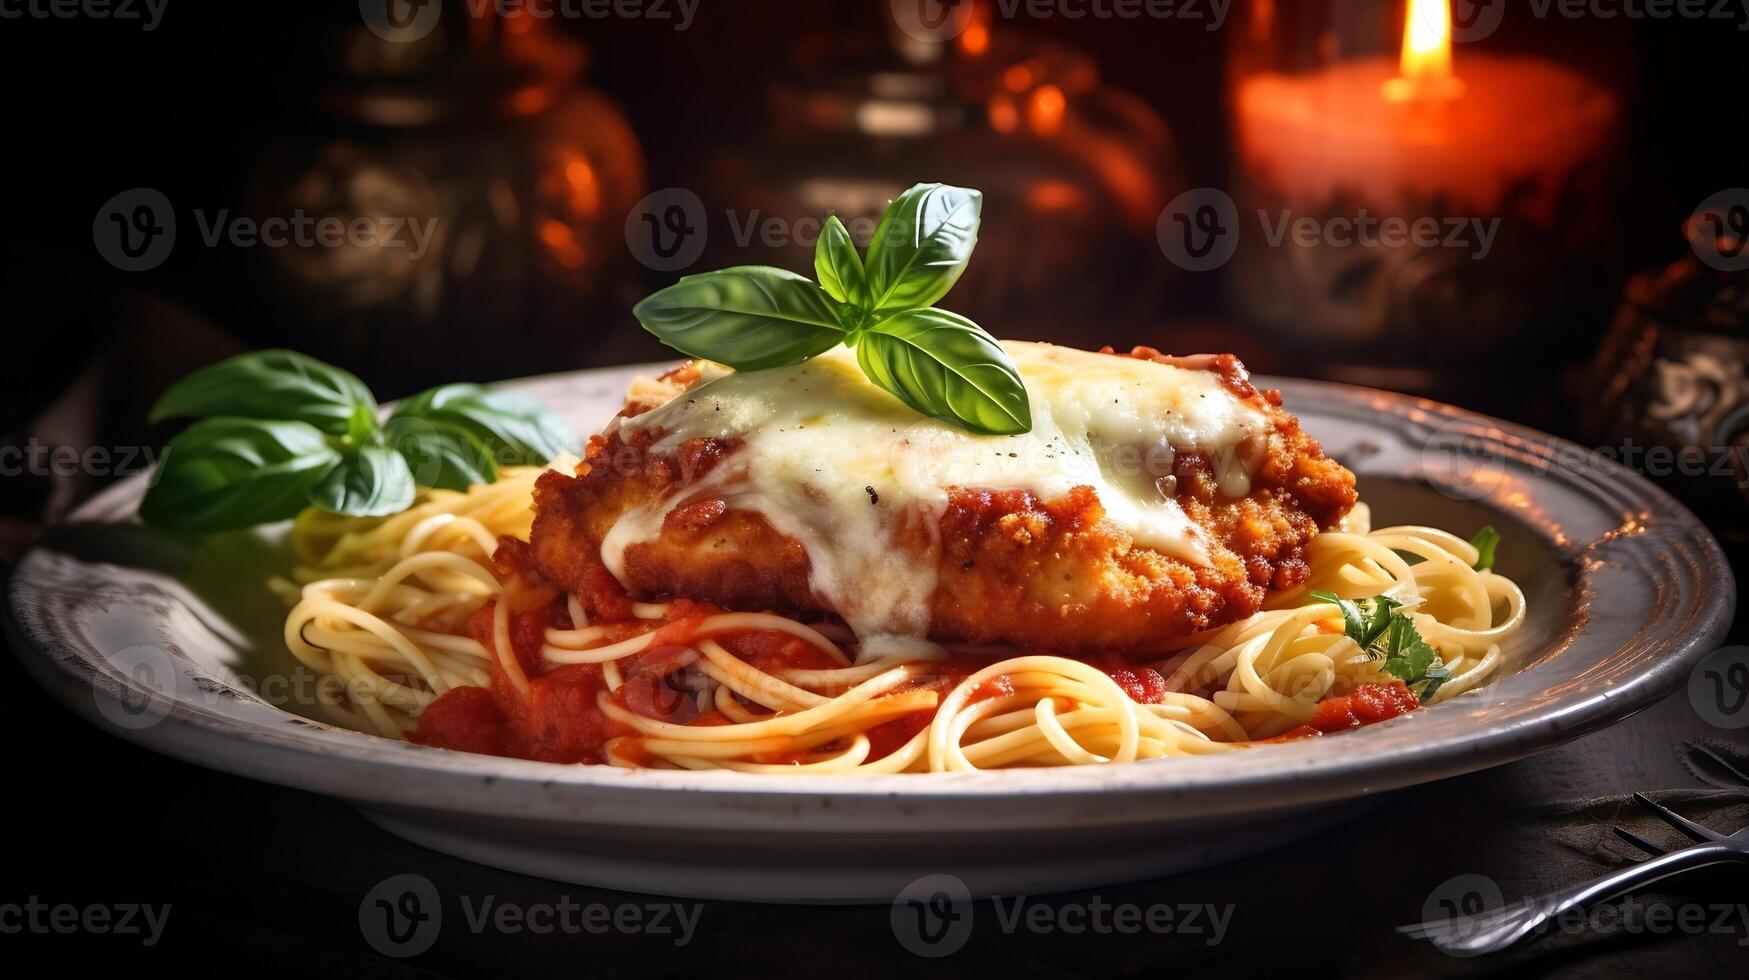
1425,64
1401,126
1427,39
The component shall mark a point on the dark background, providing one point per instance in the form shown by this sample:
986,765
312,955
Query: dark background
198,109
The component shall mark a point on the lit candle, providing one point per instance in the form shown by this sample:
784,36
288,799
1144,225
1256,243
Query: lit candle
1423,128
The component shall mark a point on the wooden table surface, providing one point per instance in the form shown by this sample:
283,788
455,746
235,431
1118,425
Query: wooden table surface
265,879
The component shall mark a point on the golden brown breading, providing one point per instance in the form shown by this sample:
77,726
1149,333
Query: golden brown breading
1013,569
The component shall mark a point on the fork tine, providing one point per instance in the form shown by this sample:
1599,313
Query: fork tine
1435,928
1638,841
1448,930
1694,830
1710,750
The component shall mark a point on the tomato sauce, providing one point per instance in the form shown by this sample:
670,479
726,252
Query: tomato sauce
555,720
559,717
1367,704
1144,685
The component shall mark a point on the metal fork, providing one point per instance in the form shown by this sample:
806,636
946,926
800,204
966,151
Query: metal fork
1497,929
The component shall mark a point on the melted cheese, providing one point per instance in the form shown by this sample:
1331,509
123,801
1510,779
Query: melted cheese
842,467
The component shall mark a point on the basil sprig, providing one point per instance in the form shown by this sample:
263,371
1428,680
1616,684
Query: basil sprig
939,363
1383,631
270,384
284,432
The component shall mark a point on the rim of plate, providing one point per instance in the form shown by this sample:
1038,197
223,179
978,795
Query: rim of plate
1671,554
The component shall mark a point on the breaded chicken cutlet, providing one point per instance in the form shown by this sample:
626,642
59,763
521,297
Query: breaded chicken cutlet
1155,497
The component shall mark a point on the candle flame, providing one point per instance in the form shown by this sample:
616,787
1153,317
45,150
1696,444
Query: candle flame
1427,39
1425,64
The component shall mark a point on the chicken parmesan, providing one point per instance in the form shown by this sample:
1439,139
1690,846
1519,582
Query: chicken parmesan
1154,497
790,571
854,534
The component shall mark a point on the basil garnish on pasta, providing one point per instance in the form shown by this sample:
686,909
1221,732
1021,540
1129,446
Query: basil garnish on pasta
1379,627
228,473
281,385
939,363
281,432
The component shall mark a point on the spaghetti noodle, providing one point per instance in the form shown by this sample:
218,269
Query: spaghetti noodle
411,611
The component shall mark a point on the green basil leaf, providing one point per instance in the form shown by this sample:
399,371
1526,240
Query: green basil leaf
1486,542
373,482
227,473
514,428
946,367
748,317
277,385
440,454
921,246
837,265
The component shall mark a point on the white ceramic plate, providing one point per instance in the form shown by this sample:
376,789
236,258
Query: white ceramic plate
175,645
